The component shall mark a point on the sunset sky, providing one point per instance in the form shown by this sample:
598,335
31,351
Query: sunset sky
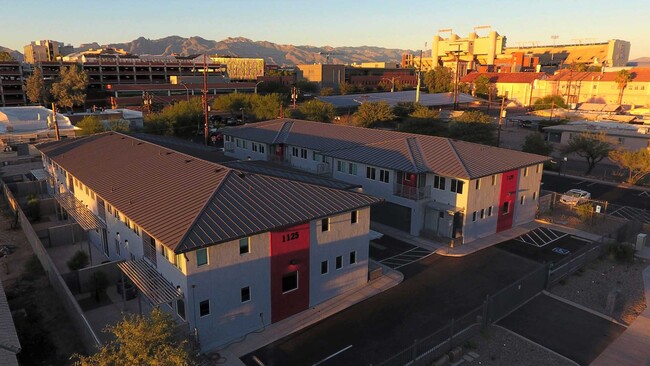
391,24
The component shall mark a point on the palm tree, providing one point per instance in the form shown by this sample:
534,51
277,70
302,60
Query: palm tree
622,78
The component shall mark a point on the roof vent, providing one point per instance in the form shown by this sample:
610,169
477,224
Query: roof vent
169,152
217,170
140,143
188,160
241,175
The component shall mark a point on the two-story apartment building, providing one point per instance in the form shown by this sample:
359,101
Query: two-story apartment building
227,251
432,186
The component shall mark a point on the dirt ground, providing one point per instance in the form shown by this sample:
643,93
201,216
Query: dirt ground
46,334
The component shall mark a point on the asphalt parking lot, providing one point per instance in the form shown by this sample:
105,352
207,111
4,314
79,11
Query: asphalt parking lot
544,245
435,290
395,253
570,331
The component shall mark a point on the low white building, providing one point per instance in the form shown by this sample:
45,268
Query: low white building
227,251
31,124
432,186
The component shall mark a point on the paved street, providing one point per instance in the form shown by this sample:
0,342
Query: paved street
435,290
599,191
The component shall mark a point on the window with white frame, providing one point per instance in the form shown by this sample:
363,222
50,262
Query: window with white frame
371,173
494,180
290,282
352,168
294,151
482,213
254,146
303,153
353,257
474,216
204,308
340,166
201,257
457,186
325,224
522,200
354,217
244,144
525,171
439,182
384,176
324,267
339,262
478,184
262,148
244,245
245,294
489,211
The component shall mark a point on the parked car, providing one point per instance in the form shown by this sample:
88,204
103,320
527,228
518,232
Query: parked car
575,196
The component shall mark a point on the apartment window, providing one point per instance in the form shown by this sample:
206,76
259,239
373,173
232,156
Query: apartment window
246,294
525,171
244,245
202,257
482,213
340,166
478,184
178,260
290,282
324,267
522,199
489,211
180,308
354,217
457,186
244,144
506,208
294,151
317,157
339,262
303,153
238,142
474,216
370,173
254,146
494,180
384,175
353,257
352,168
163,251
439,182
534,196
621,140
262,148
204,308
325,224
539,167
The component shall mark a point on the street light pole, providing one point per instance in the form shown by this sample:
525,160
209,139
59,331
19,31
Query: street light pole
258,83
187,91
502,114
205,96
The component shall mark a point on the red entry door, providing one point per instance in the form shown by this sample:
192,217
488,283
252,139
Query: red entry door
289,271
507,199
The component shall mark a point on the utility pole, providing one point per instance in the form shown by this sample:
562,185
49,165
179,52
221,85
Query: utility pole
456,76
56,123
294,96
552,107
419,72
502,114
205,96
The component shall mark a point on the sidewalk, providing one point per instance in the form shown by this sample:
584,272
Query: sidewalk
308,317
631,348
478,244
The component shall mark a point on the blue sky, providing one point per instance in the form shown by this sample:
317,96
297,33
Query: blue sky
391,24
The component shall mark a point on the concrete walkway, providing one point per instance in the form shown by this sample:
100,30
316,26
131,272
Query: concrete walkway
633,346
231,353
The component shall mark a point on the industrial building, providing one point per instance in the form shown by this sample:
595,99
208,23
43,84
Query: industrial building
227,252
12,80
45,50
449,190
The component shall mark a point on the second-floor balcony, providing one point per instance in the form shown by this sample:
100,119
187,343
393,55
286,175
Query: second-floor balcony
413,193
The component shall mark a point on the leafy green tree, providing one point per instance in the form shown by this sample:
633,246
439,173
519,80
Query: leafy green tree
315,110
403,109
473,126
265,107
637,163
90,125
70,88
370,113
549,101
439,80
119,125
594,147
423,112
35,88
232,102
347,88
423,126
482,86
6,56
140,340
535,144
307,86
622,78
182,119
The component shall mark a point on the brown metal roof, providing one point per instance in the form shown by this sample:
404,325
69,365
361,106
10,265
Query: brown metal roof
168,193
390,149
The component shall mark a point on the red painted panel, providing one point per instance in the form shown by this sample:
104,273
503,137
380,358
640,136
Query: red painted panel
409,179
289,253
507,196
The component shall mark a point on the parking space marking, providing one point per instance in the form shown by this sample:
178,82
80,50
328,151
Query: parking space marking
632,213
540,237
591,184
645,193
582,181
406,258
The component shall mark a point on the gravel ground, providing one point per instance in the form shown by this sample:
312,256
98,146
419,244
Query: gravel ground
591,285
497,346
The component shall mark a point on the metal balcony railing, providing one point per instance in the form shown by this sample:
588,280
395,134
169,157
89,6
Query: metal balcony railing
413,193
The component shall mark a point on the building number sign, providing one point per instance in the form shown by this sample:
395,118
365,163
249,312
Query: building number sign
290,237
